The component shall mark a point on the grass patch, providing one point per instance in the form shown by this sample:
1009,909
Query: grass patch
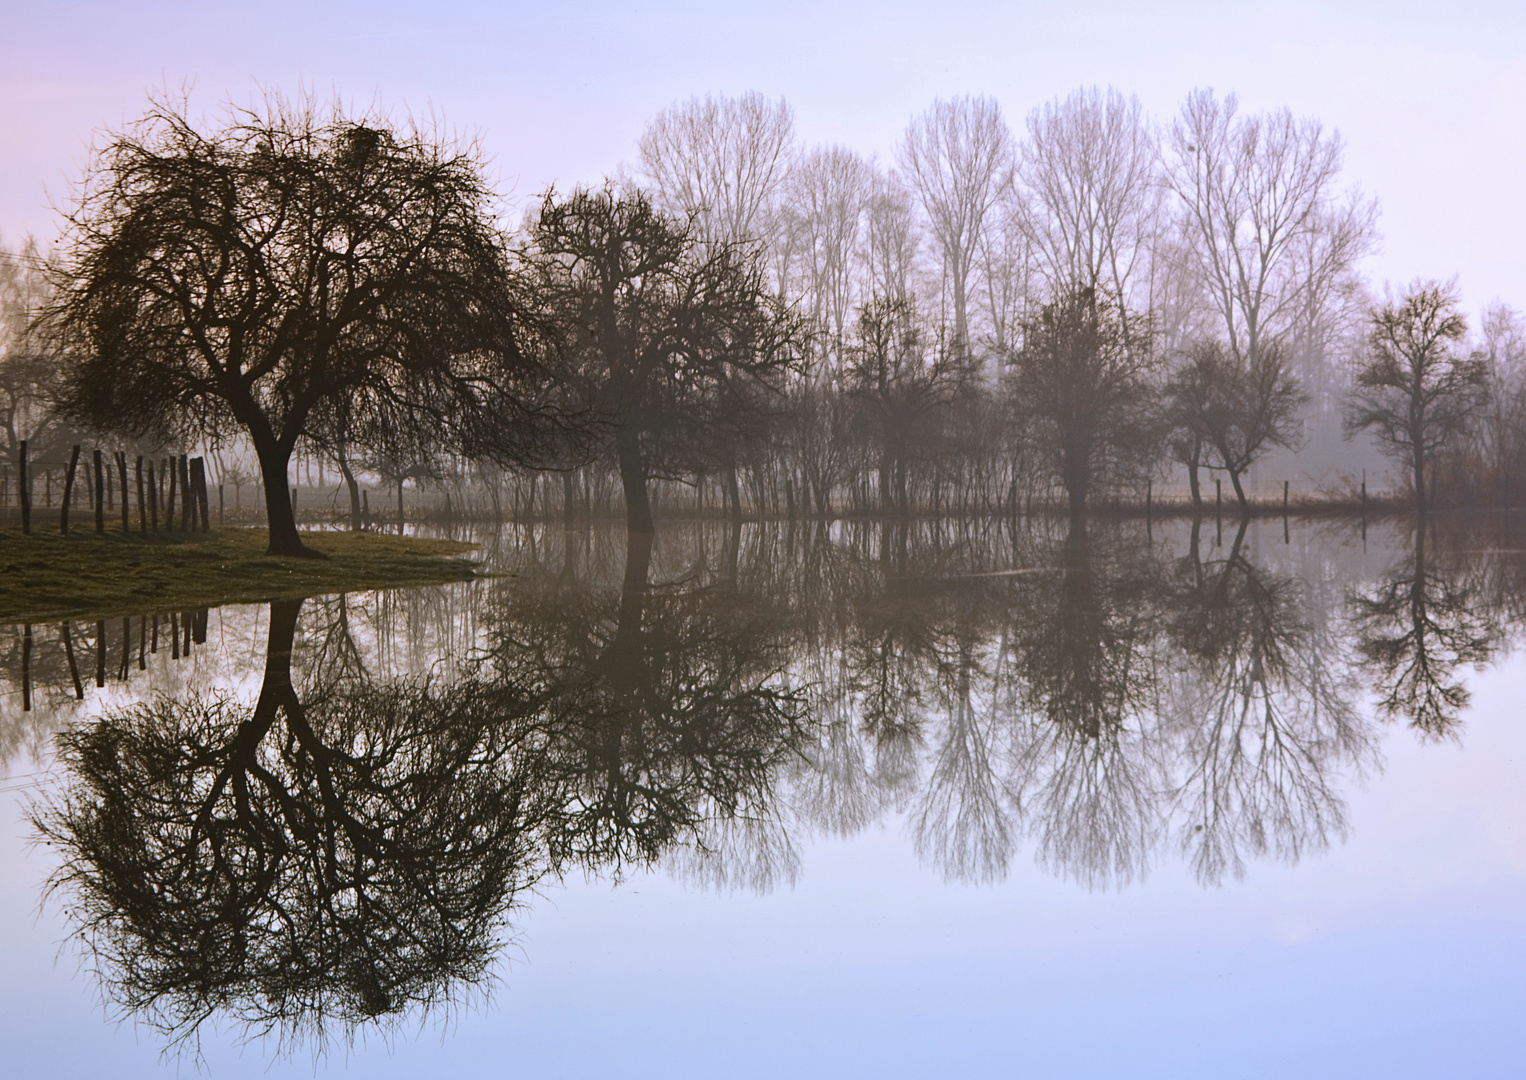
48,576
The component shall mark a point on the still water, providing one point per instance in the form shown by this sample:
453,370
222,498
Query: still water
866,799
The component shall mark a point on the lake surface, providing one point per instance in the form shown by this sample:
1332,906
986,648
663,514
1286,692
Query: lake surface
858,799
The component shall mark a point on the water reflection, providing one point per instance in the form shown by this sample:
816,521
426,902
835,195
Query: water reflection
342,841
1423,621
319,859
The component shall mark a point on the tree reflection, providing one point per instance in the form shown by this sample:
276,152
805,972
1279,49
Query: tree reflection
302,867
666,713
1085,768
1415,630
348,849
1261,715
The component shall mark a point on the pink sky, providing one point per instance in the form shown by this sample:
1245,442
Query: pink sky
1432,102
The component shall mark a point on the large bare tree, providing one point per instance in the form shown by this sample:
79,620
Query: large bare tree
1089,170
826,192
277,269
721,160
957,154
890,238
1259,200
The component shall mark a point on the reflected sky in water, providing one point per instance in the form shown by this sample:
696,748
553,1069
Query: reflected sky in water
873,798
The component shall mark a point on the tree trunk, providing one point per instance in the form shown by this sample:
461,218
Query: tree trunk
1192,478
638,508
1234,478
733,493
281,520
24,490
354,488
1421,503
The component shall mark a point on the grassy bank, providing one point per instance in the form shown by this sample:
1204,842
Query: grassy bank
47,576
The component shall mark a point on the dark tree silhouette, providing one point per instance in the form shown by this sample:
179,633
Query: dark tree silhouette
291,268
654,339
905,387
1236,406
1080,389
1415,390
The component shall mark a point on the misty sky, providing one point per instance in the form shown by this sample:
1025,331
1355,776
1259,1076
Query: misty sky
1431,98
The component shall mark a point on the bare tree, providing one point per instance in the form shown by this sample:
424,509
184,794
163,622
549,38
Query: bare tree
1416,390
29,366
957,155
1008,266
890,238
267,273
665,349
905,387
1081,386
825,196
720,159
1239,409
1089,170
1259,200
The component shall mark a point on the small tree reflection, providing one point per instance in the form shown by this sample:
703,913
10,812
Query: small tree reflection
1414,630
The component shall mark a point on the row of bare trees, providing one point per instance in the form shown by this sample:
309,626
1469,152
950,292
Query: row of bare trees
1222,225
1072,314
1115,296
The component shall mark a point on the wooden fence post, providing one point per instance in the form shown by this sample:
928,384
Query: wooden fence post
24,490
153,497
26,668
63,512
122,472
199,485
187,496
100,495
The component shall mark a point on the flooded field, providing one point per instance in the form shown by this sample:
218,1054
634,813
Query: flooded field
860,798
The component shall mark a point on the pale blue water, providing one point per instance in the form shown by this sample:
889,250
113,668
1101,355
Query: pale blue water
1394,952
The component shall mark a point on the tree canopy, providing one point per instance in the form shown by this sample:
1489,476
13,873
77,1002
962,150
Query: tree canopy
286,269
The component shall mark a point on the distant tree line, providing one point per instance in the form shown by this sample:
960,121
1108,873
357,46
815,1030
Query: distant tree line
1068,314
